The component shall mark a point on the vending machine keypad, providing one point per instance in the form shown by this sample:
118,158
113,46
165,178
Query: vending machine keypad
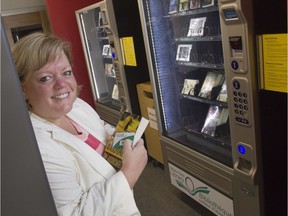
241,101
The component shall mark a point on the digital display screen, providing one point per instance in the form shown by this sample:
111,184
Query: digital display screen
230,14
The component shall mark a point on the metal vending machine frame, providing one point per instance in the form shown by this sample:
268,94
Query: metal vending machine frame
95,60
239,44
113,53
224,189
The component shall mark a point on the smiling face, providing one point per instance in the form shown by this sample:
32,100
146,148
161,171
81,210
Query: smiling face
52,89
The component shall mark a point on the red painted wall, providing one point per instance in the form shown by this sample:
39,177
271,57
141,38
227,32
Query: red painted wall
63,21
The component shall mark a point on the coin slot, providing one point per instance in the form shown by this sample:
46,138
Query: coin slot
244,165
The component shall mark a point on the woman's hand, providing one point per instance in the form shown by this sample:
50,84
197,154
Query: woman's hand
134,161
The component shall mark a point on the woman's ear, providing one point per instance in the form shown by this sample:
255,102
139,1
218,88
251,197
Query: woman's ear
26,98
23,90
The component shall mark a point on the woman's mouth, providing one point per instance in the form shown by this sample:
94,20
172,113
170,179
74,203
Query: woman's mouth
60,96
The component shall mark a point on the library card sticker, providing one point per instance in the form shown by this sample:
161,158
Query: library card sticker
121,137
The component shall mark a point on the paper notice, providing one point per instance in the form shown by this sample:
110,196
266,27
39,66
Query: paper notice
152,118
275,62
128,51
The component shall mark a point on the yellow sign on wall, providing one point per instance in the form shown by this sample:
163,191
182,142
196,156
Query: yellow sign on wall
128,51
275,62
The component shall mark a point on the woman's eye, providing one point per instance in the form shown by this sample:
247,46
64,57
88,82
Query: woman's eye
45,79
68,73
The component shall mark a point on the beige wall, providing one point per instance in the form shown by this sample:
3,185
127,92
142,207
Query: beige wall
23,13
11,7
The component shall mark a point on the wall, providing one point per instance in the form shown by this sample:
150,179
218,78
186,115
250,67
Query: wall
64,24
273,20
9,7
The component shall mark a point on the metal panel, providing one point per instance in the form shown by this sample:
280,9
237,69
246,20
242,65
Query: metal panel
24,186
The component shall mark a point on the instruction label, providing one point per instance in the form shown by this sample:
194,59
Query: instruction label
128,51
275,62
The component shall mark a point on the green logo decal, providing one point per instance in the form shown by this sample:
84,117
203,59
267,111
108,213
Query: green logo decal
189,187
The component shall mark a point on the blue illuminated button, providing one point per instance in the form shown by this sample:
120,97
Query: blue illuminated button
234,65
113,55
241,149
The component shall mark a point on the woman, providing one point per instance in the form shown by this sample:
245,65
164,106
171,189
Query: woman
71,136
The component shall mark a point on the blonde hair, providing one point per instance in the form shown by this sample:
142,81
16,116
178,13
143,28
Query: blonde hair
35,50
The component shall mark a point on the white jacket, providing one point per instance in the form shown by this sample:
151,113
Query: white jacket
82,182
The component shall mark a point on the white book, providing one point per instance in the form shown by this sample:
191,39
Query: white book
189,86
115,93
223,93
212,80
183,52
196,27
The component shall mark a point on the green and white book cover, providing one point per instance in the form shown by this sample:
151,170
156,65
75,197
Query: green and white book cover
130,126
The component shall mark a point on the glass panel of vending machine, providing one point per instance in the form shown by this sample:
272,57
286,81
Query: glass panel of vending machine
188,74
100,42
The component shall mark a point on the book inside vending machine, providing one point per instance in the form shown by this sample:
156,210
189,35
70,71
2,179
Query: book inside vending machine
113,47
203,67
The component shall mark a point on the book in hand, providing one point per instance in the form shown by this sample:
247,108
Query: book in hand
131,127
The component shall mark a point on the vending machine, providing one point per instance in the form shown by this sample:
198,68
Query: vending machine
113,46
202,57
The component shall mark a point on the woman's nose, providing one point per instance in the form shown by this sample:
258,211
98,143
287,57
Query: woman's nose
60,82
